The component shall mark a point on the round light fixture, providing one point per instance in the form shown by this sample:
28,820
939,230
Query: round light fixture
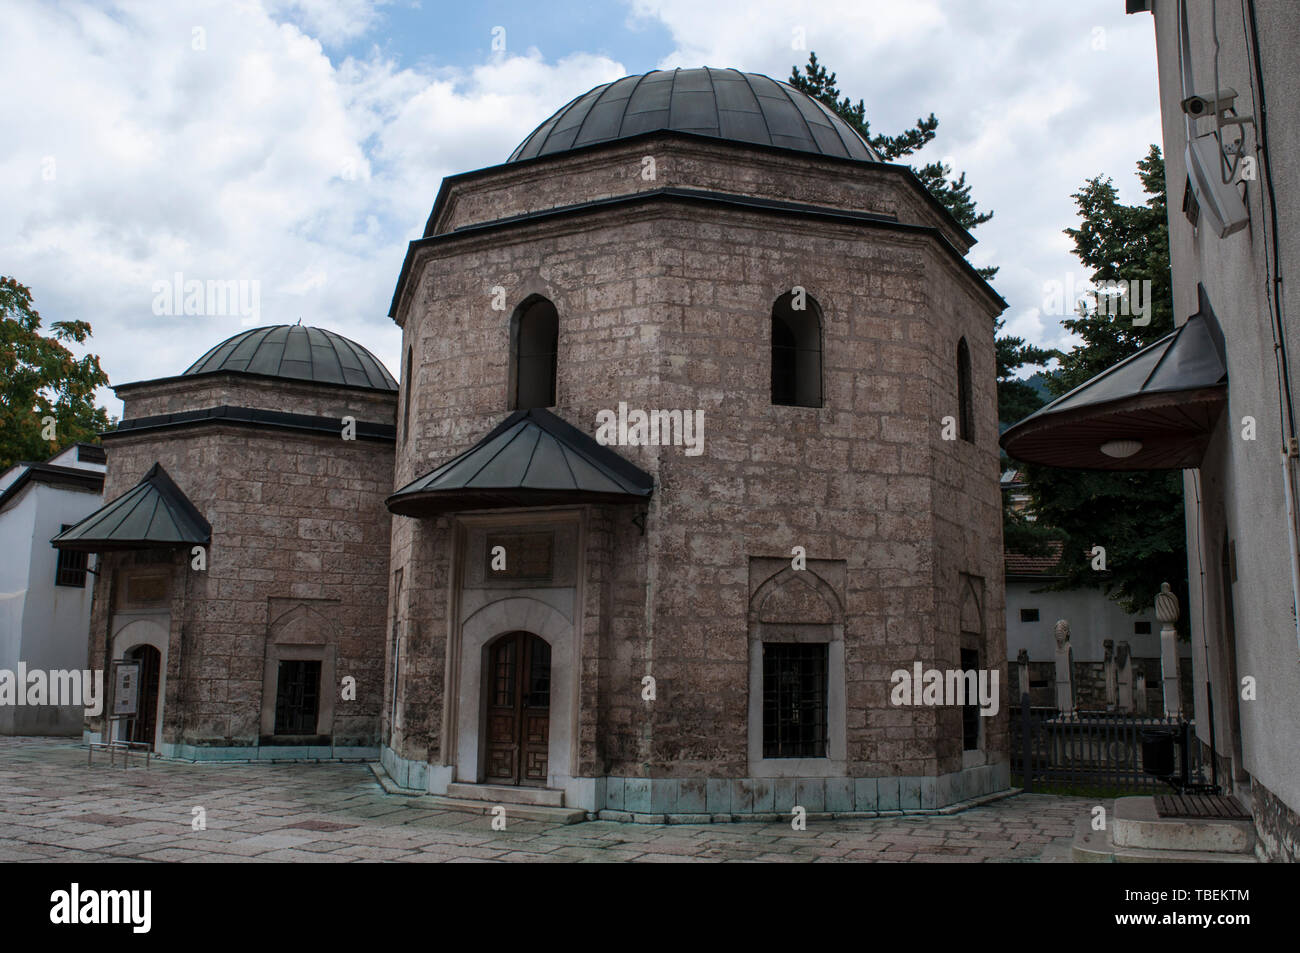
1121,448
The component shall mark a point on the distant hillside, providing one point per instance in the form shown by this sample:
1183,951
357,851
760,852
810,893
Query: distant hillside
1039,383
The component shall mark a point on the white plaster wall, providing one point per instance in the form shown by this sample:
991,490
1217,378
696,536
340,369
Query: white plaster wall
16,527
1093,618
56,620
1240,482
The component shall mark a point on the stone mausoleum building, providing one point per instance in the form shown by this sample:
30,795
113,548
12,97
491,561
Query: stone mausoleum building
695,445
714,241
240,465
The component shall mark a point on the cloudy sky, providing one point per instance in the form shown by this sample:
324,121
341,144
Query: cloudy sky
300,143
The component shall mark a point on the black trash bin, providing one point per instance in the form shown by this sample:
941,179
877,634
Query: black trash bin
1158,751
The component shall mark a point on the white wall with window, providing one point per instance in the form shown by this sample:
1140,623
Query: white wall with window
45,614
1093,618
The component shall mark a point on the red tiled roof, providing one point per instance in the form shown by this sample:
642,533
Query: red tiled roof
1018,564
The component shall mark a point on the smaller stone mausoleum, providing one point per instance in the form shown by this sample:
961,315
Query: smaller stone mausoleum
244,549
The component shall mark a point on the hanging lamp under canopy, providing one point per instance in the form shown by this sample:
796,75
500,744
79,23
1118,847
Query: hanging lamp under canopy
1154,410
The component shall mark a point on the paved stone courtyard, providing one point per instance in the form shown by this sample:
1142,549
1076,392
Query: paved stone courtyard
55,808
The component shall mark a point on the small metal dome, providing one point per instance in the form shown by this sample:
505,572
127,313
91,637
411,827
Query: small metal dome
297,353
723,103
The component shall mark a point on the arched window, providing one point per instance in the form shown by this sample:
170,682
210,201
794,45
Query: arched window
796,351
406,401
534,344
965,407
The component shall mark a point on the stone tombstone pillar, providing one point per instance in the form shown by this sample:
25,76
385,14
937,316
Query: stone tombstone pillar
1022,662
1124,675
1140,693
1167,613
1108,670
1064,669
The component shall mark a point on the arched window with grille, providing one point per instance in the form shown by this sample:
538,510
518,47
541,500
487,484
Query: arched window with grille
796,351
965,406
534,346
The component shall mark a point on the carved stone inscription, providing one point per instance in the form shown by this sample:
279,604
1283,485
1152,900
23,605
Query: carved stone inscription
523,555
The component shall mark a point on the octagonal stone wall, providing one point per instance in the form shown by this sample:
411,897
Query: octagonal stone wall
667,305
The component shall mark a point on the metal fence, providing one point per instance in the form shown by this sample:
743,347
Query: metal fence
1090,748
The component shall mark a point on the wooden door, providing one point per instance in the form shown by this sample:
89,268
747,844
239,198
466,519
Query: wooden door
519,710
145,723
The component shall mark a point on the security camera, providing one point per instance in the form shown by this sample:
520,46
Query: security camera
1198,105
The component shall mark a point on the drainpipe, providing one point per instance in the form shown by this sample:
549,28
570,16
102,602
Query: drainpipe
1288,477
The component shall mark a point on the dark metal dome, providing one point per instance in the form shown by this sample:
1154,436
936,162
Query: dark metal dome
297,353
723,103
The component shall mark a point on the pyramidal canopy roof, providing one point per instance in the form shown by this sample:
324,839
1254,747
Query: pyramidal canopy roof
153,514
722,103
297,353
532,458
1164,399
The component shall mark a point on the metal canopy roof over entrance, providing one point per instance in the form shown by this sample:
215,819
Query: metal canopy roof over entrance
1154,410
532,458
153,514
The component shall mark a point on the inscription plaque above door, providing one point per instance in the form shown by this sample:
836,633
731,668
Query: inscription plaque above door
528,556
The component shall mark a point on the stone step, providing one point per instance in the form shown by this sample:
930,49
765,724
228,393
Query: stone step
506,794
514,811
1136,825
517,812
1098,847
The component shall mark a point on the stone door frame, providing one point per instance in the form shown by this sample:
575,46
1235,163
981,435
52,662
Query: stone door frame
465,696
132,630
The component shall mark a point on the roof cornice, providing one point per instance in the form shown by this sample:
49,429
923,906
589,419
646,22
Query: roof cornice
904,172
691,196
71,478
250,417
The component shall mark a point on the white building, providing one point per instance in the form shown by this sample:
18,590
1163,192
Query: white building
1217,397
44,594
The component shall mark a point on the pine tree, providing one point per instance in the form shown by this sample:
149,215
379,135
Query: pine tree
1136,515
1015,398
954,195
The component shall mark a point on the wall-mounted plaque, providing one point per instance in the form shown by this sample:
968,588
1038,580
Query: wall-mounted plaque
519,555
126,688
146,590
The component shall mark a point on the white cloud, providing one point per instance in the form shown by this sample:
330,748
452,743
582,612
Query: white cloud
250,158
257,157
1032,98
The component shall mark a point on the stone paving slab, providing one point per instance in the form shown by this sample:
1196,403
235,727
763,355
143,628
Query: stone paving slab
53,807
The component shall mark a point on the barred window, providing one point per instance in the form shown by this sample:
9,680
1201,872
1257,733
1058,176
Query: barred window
71,568
794,700
297,698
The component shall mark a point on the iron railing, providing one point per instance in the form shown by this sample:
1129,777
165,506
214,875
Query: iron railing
1092,748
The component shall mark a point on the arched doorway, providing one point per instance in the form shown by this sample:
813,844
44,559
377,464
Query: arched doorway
145,724
518,710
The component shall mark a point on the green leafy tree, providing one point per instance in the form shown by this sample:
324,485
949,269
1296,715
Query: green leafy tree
41,379
1137,516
